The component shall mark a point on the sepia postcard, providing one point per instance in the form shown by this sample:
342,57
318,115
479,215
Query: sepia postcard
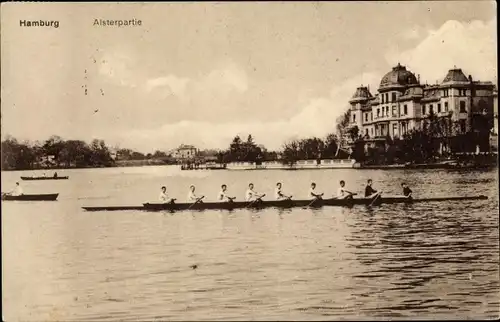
272,161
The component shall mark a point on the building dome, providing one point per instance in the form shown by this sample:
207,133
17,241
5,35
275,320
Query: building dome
362,93
398,77
455,76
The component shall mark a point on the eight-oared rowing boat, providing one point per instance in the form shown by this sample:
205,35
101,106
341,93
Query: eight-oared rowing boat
277,204
38,197
44,178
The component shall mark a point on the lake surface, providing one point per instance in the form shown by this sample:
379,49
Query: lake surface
427,261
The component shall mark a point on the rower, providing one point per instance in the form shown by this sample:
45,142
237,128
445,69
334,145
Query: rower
192,196
406,190
312,192
369,191
164,196
18,191
251,195
278,194
343,193
222,196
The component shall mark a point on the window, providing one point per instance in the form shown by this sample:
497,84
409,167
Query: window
394,130
462,126
366,132
405,110
366,117
439,108
386,97
462,107
423,109
353,118
387,111
445,93
382,99
431,109
372,130
403,127
393,97
378,112
446,106
394,111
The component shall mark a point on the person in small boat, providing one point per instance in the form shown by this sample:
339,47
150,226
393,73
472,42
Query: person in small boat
369,191
251,195
222,196
406,190
313,194
55,174
192,196
164,196
18,190
343,193
278,194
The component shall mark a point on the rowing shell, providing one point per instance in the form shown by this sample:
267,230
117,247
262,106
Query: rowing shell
45,178
23,197
277,204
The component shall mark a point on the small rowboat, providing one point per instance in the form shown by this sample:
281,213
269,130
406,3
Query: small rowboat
277,204
44,178
23,197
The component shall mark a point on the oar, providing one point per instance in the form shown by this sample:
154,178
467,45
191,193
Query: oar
376,197
197,201
258,199
316,198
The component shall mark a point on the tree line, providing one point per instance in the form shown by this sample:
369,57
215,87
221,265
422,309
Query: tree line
54,152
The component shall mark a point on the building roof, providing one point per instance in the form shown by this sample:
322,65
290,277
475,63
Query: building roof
398,77
412,92
455,75
185,146
431,94
362,93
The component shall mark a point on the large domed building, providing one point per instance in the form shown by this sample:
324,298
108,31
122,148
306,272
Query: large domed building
403,103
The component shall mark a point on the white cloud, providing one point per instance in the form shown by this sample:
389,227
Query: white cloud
470,46
317,118
176,85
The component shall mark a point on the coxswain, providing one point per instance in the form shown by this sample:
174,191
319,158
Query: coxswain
192,196
406,190
251,195
369,191
164,196
222,196
278,194
342,193
313,194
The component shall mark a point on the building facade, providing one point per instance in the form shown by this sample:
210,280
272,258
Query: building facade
403,104
185,152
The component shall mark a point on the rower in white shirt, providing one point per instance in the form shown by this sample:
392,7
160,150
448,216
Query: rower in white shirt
313,194
278,194
222,196
343,193
164,196
251,195
192,196
18,191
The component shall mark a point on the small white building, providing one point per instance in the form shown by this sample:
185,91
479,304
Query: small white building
185,152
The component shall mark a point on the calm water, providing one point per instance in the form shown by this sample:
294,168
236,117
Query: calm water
434,261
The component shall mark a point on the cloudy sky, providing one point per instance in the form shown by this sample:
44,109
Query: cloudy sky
200,73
